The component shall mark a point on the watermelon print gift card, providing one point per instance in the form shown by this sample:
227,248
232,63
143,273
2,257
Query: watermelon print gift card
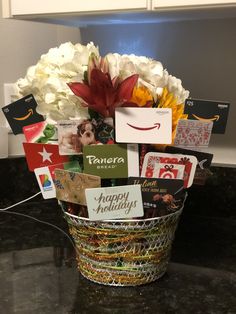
143,125
41,132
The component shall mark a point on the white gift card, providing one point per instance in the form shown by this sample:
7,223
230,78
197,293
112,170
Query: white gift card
143,125
45,182
154,161
114,202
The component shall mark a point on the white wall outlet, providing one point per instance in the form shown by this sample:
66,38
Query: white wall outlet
9,92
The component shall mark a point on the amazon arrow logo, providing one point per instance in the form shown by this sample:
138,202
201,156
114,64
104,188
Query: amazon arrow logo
30,113
156,125
215,118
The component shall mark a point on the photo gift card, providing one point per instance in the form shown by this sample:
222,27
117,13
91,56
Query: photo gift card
73,135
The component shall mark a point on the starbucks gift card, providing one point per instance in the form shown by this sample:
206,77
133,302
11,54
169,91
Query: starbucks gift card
193,133
143,125
170,164
204,161
111,161
21,113
208,110
153,190
114,202
41,132
70,186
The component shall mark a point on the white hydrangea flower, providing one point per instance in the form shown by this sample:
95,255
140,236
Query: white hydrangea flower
174,86
47,81
150,71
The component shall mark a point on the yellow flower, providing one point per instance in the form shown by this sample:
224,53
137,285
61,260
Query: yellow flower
141,96
167,100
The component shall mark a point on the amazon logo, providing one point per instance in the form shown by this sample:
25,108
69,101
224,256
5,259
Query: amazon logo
216,117
30,113
156,125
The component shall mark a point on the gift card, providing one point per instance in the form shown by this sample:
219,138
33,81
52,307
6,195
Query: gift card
114,202
204,159
41,155
45,182
73,135
153,190
70,186
193,133
41,132
143,125
153,161
71,165
46,177
22,112
207,110
111,161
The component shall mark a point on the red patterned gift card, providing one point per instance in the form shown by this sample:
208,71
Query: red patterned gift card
169,166
193,133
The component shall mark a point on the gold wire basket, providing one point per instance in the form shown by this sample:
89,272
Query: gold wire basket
123,252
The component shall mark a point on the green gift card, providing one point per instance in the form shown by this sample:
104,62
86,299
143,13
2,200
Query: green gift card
111,161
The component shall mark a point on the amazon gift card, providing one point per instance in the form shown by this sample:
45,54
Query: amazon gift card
21,113
143,125
206,110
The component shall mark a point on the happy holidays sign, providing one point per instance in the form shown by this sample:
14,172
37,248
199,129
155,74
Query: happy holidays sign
114,202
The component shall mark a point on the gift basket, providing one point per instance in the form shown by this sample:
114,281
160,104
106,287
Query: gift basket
106,145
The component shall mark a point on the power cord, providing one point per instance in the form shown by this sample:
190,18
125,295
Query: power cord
25,200
4,210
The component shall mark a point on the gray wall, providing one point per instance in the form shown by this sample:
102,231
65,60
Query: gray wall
22,44
201,53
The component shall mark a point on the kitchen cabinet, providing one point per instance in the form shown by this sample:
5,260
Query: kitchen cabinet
157,4
82,13
33,7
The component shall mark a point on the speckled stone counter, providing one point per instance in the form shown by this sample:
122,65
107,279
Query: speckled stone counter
38,271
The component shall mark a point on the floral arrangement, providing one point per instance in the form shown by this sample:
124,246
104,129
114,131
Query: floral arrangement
70,79
78,92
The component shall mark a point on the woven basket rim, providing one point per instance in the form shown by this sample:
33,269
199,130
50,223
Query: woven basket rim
124,220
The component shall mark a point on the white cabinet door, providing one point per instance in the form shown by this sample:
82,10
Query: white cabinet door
28,7
188,3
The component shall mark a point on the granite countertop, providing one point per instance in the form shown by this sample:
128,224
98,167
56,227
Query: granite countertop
38,271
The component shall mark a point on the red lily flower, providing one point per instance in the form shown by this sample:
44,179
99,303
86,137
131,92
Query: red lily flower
102,94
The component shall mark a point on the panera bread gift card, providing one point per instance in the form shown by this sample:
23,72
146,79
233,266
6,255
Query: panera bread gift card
207,110
111,161
114,202
70,186
143,125
154,189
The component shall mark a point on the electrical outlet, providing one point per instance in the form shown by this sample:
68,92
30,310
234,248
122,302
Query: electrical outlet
9,90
